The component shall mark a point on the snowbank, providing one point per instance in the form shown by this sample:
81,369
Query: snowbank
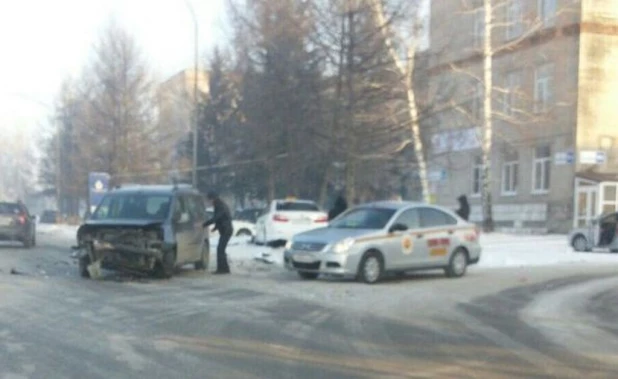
58,231
508,250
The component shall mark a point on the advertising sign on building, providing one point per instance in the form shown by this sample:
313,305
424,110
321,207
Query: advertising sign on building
564,158
98,185
456,140
592,157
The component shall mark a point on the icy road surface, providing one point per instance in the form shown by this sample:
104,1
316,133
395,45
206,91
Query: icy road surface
529,310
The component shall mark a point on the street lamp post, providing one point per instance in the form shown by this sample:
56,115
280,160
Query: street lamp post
195,100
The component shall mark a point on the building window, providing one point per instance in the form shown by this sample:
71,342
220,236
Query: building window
512,86
547,12
479,26
541,167
510,174
514,19
477,176
543,88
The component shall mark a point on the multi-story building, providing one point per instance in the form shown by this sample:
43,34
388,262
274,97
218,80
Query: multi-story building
554,156
176,115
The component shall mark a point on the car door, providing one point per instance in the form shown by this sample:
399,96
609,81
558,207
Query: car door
438,232
262,225
198,216
407,248
183,229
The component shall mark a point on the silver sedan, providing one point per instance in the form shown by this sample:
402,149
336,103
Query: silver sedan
367,241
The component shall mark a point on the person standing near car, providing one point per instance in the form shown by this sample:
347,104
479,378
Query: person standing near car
339,207
222,220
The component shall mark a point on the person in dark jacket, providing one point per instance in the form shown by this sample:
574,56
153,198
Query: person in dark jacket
338,208
222,220
464,207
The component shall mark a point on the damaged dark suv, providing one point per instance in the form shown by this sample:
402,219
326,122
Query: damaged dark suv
151,228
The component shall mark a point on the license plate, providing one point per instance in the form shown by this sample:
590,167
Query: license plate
302,221
304,258
5,221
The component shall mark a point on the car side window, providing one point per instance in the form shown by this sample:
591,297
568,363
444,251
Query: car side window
181,206
410,218
431,218
196,208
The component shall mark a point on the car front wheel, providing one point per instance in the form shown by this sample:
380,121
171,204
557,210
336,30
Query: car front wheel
164,268
84,262
580,244
371,268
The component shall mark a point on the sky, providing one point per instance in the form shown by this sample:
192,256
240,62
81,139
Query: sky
45,41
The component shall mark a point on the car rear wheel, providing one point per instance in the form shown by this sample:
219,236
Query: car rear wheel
457,264
371,268
580,244
308,275
202,263
244,233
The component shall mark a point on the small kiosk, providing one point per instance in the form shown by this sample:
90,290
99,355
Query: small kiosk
595,194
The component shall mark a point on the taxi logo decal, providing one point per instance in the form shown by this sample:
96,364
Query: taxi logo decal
438,246
406,245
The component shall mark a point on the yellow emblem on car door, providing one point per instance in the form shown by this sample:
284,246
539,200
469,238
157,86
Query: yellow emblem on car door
406,245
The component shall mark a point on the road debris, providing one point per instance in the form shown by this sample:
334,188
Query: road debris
16,272
94,270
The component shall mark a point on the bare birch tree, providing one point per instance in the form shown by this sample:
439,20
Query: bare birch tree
404,63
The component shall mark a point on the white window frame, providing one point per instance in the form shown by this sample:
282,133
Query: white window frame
513,83
514,19
544,164
477,167
543,87
479,27
547,12
510,177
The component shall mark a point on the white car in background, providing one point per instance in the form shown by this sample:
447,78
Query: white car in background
285,218
241,228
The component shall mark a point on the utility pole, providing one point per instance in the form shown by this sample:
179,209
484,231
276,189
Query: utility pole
195,99
58,170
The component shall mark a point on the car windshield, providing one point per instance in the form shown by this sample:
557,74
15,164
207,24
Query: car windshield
297,206
136,206
363,218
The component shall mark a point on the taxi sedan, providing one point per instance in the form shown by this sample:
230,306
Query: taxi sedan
370,240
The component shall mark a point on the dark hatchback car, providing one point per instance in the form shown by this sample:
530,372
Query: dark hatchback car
151,228
16,224
49,217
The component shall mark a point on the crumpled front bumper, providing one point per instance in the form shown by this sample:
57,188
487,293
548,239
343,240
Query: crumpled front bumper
119,255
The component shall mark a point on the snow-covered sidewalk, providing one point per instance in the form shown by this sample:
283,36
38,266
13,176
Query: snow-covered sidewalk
508,250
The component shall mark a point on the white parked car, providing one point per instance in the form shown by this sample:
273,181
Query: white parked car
241,228
285,218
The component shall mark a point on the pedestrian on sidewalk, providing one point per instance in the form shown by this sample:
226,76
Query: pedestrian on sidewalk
464,207
222,220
